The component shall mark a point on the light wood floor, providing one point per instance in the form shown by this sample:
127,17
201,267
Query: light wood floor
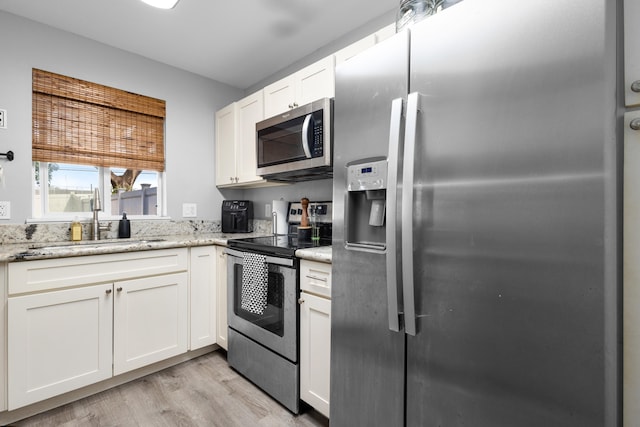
201,392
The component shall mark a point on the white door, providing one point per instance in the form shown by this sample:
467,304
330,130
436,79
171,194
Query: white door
279,97
631,275
222,298
58,341
315,351
226,145
316,81
250,111
149,320
203,312
631,53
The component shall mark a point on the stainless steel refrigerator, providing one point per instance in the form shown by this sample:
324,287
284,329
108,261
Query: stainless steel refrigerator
475,231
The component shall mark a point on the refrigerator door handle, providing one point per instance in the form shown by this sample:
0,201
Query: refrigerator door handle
408,287
394,291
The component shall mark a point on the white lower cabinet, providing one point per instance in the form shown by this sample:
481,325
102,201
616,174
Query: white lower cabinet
58,341
315,334
72,322
149,321
222,297
203,296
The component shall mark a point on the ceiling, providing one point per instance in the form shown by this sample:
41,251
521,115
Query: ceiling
237,42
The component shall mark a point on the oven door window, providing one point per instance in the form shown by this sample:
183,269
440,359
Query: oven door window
272,318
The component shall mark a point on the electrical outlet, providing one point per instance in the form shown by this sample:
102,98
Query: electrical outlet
3,119
267,210
5,210
189,210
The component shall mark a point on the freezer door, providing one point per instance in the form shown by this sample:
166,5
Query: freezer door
367,358
514,253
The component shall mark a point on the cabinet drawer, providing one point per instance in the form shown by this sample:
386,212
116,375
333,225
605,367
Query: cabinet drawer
48,274
315,277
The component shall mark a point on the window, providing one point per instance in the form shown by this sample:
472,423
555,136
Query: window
88,136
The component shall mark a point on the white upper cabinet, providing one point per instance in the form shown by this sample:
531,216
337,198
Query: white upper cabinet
385,32
354,49
236,142
307,85
226,145
250,111
631,53
279,96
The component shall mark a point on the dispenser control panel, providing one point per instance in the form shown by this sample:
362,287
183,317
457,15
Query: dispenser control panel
367,176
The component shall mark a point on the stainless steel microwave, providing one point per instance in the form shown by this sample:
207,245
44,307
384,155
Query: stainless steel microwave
296,145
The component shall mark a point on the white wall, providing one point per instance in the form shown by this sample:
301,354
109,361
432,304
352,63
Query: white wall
191,102
340,42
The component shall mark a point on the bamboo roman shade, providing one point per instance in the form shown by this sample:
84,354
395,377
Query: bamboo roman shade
75,121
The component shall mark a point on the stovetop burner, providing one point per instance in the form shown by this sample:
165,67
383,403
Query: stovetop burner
285,245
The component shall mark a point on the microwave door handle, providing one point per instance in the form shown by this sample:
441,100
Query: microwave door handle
305,135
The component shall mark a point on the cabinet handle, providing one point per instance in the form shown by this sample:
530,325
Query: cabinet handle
119,289
635,86
295,104
635,124
319,279
300,301
290,105
108,291
231,178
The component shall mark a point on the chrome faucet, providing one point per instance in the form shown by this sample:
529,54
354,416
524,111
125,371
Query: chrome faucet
95,225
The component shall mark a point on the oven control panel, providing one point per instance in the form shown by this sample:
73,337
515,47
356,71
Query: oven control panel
322,210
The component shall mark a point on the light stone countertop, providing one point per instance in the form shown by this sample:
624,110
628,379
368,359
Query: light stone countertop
64,249
320,254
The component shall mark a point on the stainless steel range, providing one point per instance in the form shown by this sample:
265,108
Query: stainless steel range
263,316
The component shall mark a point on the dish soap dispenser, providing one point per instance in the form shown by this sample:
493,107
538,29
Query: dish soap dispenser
76,230
124,228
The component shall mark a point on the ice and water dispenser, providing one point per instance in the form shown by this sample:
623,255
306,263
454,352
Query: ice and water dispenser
366,202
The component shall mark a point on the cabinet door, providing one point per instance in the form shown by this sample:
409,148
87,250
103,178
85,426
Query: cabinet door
222,297
315,351
226,145
150,321
58,341
3,337
316,81
385,33
631,52
279,96
353,49
631,272
203,309
250,111
315,277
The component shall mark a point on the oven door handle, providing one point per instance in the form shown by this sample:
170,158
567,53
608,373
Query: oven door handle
285,262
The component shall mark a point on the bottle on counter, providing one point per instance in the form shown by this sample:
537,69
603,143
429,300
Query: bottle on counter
76,230
124,227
